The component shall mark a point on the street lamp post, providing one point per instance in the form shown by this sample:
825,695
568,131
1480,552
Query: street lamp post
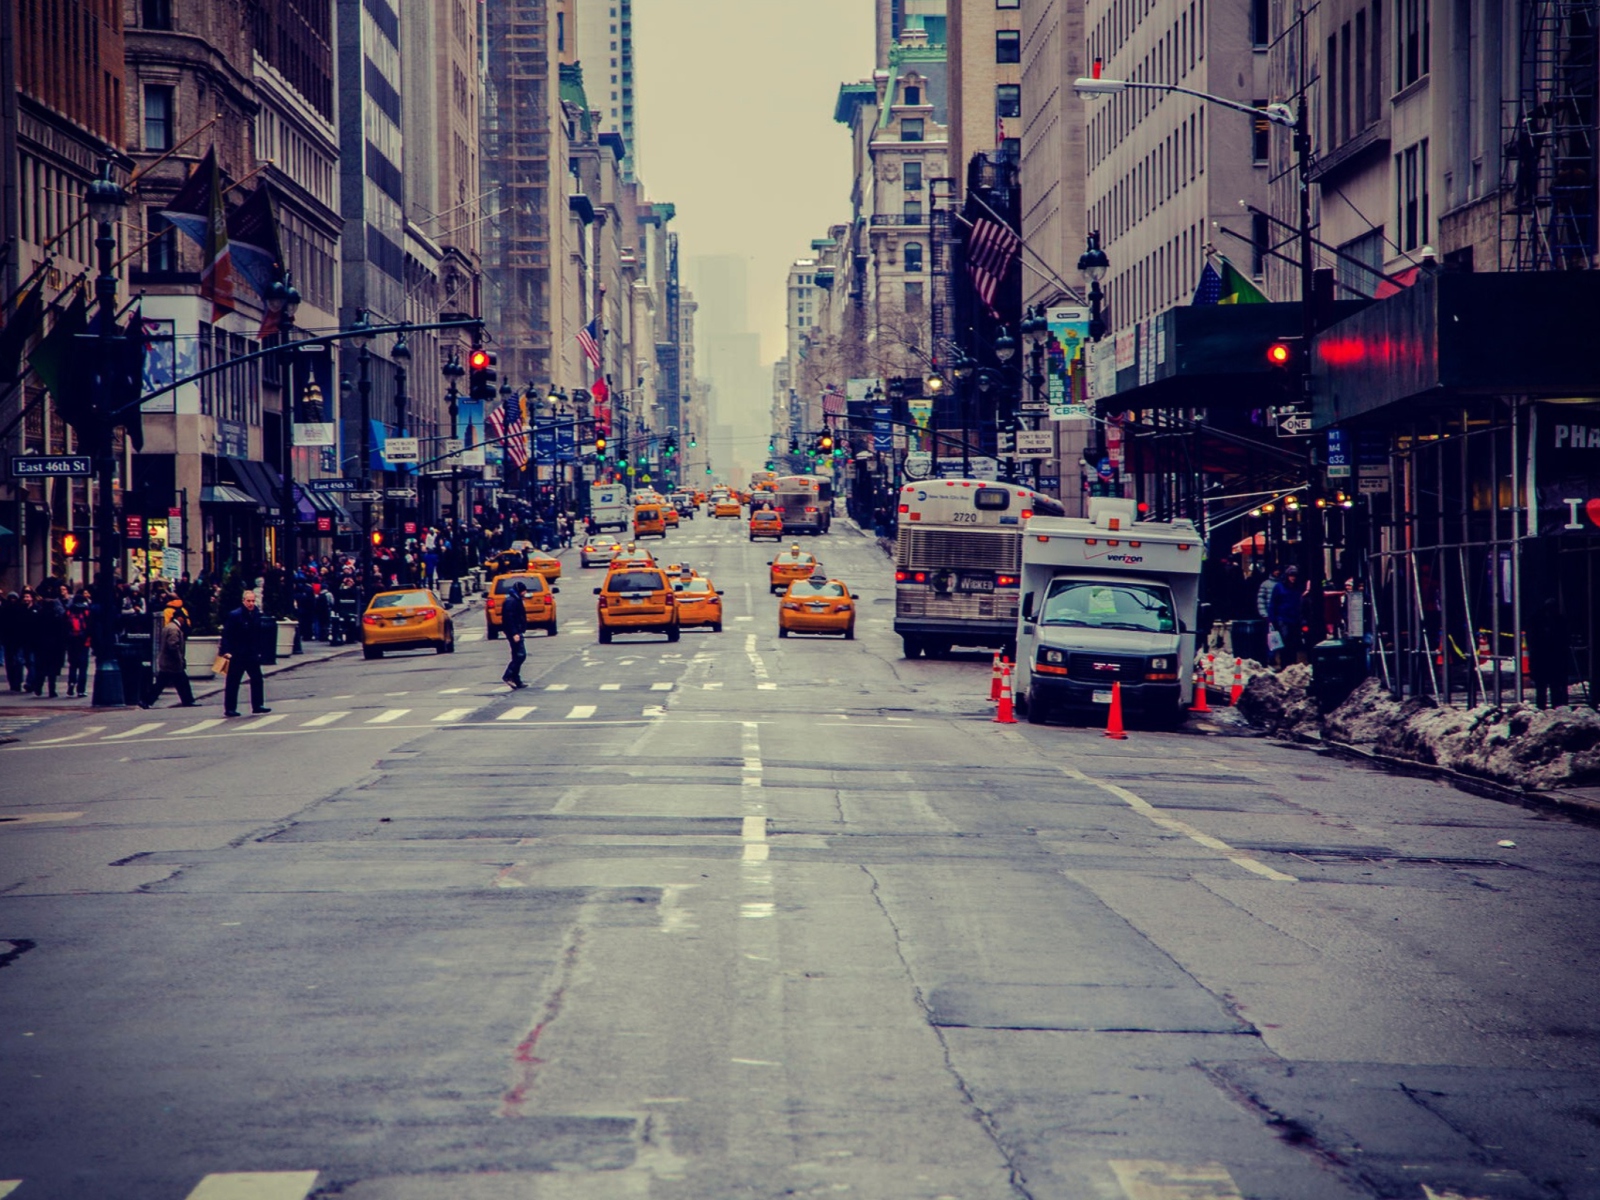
361,334
283,299
106,200
963,370
1094,264
400,356
453,371
1005,349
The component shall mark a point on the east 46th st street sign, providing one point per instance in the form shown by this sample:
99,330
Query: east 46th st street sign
43,466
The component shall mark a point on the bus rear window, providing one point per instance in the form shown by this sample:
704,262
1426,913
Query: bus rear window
992,499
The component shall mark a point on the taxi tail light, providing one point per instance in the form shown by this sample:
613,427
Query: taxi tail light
371,620
1005,581
427,613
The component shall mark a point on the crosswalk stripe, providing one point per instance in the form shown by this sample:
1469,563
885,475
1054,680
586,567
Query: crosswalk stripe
327,718
766,687
580,711
610,687
255,1185
197,727
1148,1179
455,714
660,687
712,686
555,687
260,721
469,635
517,713
654,710
71,737
136,731
451,691
392,714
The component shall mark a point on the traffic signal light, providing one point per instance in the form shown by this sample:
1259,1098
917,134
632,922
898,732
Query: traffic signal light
693,441
708,468
794,444
377,538
481,374
1286,361
600,448
69,545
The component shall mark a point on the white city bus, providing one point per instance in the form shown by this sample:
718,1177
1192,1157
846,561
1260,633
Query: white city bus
958,562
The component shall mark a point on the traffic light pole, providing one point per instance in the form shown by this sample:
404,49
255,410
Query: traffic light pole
108,682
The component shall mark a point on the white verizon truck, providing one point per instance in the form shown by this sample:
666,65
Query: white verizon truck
1107,599
609,507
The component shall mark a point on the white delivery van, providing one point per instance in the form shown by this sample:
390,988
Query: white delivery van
1107,599
609,507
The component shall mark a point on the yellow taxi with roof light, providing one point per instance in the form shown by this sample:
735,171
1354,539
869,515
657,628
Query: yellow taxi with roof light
538,601
699,603
669,513
599,551
793,563
817,605
406,619
632,556
636,600
766,522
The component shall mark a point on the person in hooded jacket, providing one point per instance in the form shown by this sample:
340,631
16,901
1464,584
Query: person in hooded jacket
172,656
49,637
78,626
514,624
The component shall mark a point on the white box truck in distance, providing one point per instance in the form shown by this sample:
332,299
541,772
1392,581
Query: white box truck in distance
1108,599
609,507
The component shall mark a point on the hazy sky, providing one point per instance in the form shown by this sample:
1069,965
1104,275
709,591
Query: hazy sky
735,104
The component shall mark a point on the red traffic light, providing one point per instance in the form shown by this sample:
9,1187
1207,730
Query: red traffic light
1279,354
478,360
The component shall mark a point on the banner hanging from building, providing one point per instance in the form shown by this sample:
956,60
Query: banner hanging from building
1065,370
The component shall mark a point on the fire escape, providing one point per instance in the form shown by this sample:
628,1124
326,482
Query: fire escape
1549,194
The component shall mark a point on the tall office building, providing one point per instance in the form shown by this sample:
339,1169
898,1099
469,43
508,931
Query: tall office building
985,64
605,48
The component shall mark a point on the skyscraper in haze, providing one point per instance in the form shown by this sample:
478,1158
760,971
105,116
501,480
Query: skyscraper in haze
605,48
731,359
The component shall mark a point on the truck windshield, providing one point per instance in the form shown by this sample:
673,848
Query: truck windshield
1108,606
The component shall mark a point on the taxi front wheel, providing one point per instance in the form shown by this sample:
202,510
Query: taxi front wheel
782,632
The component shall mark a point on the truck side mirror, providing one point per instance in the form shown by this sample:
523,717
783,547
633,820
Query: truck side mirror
1027,607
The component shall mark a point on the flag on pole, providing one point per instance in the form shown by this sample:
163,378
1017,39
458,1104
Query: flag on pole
255,250
1236,289
1209,290
58,360
24,319
588,338
991,249
190,209
199,212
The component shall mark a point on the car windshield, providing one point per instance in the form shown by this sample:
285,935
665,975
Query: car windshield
636,581
807,588
1109,606
401,600
534,583
791,559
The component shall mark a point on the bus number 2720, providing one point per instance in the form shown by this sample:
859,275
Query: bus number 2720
964,518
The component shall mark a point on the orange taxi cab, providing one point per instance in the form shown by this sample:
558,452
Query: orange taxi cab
649,519
766,522
793,563
669,513
636,600
539,602
817,605
544,564
726,506
406,619
699,603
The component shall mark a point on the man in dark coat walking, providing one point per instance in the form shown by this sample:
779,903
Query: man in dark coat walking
514,621
244,634
49,637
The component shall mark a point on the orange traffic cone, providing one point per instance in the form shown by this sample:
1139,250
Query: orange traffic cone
1004,716
1238,687
1114,719
994,678
1200,705
1211,670
1483,647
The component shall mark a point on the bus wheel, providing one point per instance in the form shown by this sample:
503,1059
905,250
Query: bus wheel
913,646
938,649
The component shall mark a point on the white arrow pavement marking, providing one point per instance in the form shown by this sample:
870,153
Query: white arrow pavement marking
517,713
1148,1179
197,727
56,741
327,718
580,711
393,714
255,1185
455,714
136,731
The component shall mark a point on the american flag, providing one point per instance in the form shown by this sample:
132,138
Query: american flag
991,249
516,444
588,338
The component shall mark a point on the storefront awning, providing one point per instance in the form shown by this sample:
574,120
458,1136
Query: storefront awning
257,480
221,493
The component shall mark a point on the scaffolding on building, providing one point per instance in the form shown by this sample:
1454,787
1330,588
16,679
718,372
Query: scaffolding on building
1548,197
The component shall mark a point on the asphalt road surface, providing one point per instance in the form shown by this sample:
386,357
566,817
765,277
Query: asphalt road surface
746,918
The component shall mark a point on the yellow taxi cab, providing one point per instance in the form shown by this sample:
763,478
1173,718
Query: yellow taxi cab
539,602
505,562
817,605
726,506
699,603
669,513
647,519
636,600
632,556
406,619
793,563
544,564
766,522
699,497
599,551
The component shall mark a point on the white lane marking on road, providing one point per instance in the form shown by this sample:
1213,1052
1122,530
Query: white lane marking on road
38,819
252,726
71,737
393,714
1150,1179
451,691
397,693
327,718
654,711
712,686
197,727
610,687
766,687
744,618
755,1062
136,731
255,1185
455,714
660,687
581,712
556,687
517,713
470,635
1158,817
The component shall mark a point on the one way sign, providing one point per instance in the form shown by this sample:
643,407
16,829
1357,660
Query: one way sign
1292,422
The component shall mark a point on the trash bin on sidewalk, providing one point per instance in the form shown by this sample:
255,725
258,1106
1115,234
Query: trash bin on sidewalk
1338,666
1249,639
134,657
